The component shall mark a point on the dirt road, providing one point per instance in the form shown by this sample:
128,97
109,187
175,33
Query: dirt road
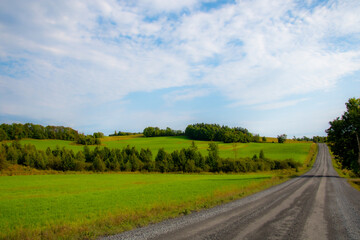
318,205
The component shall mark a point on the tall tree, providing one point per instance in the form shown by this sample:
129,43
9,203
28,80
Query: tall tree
98,164
344,136
161,160
213,156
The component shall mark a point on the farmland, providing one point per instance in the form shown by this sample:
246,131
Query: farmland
88,205
79,205
297,151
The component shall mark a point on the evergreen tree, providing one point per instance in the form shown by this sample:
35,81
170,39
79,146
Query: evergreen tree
161,160
262,155
98,164
213,157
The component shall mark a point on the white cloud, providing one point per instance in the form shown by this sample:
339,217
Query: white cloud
280,58
185,95
255,53
280,104
167,5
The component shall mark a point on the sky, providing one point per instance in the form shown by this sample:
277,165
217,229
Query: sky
271,66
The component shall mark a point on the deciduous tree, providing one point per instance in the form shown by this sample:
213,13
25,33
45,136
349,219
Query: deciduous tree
281,138
344,136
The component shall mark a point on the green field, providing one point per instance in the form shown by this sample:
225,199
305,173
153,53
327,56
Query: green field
48,206
297,151
88,205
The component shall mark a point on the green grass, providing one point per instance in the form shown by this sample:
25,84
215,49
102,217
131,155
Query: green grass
352,179
48,206
297,151
42,144
88,205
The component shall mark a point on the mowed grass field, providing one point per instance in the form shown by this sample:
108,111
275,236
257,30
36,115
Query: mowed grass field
297,151
88,205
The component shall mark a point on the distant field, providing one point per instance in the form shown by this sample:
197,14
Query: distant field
297,151
77,204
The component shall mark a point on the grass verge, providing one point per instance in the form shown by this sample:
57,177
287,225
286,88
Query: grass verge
309,161
345,173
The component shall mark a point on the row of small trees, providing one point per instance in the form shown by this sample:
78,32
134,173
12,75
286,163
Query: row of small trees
130,159
120,133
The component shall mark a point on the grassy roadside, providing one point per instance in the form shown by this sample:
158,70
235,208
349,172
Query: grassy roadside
344,173
309,161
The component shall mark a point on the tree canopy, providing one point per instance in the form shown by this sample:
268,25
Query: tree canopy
281,138
344,136
18,131
157,132
215,132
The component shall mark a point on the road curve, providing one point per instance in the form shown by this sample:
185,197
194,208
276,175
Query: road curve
318,205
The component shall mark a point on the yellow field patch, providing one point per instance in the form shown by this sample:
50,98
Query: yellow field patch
120,138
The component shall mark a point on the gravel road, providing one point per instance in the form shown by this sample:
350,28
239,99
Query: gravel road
318,205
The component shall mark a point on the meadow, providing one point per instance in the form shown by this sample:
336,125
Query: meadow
88,205
295,150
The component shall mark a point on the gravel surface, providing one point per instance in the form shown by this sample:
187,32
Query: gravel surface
317,205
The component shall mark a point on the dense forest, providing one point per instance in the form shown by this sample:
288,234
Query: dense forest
130,159
215,132
18,131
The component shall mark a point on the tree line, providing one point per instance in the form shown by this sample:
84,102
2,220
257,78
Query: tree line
157,132
215,132
120,133
344,136
130,159
17,131
316,139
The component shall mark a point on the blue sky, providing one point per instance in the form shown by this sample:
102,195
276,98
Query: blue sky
270,66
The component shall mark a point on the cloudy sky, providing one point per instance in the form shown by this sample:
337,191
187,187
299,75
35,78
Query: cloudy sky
271,66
